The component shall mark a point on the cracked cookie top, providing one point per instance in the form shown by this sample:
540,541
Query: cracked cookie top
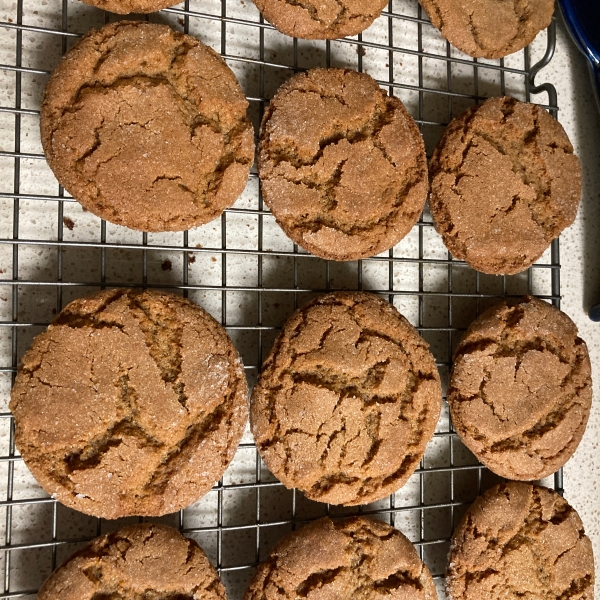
342,165
147,128
504,184
355,559
347,400
321,19
520,541
125,7
489,28
148,561
131,403
520,389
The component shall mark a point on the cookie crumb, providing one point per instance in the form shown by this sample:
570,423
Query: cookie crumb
167,265
68,223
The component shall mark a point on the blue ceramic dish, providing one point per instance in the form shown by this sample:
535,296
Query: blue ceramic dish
583,22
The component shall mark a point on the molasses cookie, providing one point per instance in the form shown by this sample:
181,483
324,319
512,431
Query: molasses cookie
128,563
520,541
347,400
125,7
342,164
520,389
147,128
321,20
353,558
489,28
131,403
504,184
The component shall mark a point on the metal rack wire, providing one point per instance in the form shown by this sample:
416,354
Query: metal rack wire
241,269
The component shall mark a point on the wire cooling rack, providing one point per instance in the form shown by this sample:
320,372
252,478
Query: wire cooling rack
241,268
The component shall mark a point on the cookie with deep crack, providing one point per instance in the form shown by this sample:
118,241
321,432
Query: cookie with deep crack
520,390
504,184
126,564
131,403
323,19
347,400
147,127
342,165
489,28
126,7
353,558
520,541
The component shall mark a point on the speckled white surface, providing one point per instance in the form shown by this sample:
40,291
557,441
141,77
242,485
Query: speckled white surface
580,272
580,250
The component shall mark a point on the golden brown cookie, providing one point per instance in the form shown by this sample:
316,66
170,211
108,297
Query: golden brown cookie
520,541
342,165
147,127
323,19
520,389
504,184
141,561
489,28
351,559
347,400
125,7
131,403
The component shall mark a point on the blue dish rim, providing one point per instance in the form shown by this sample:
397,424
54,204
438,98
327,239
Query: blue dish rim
568,13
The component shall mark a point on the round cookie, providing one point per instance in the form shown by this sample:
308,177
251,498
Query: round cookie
128,563
520,541
147,128
347,400
125,7
353,558
489,28
342,165
131,403
322,19
504,184
520,389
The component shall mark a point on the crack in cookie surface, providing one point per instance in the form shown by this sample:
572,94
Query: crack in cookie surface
130,403
347,400
520,540
505,183
357,558
342,165
140,562
520,389
166,143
